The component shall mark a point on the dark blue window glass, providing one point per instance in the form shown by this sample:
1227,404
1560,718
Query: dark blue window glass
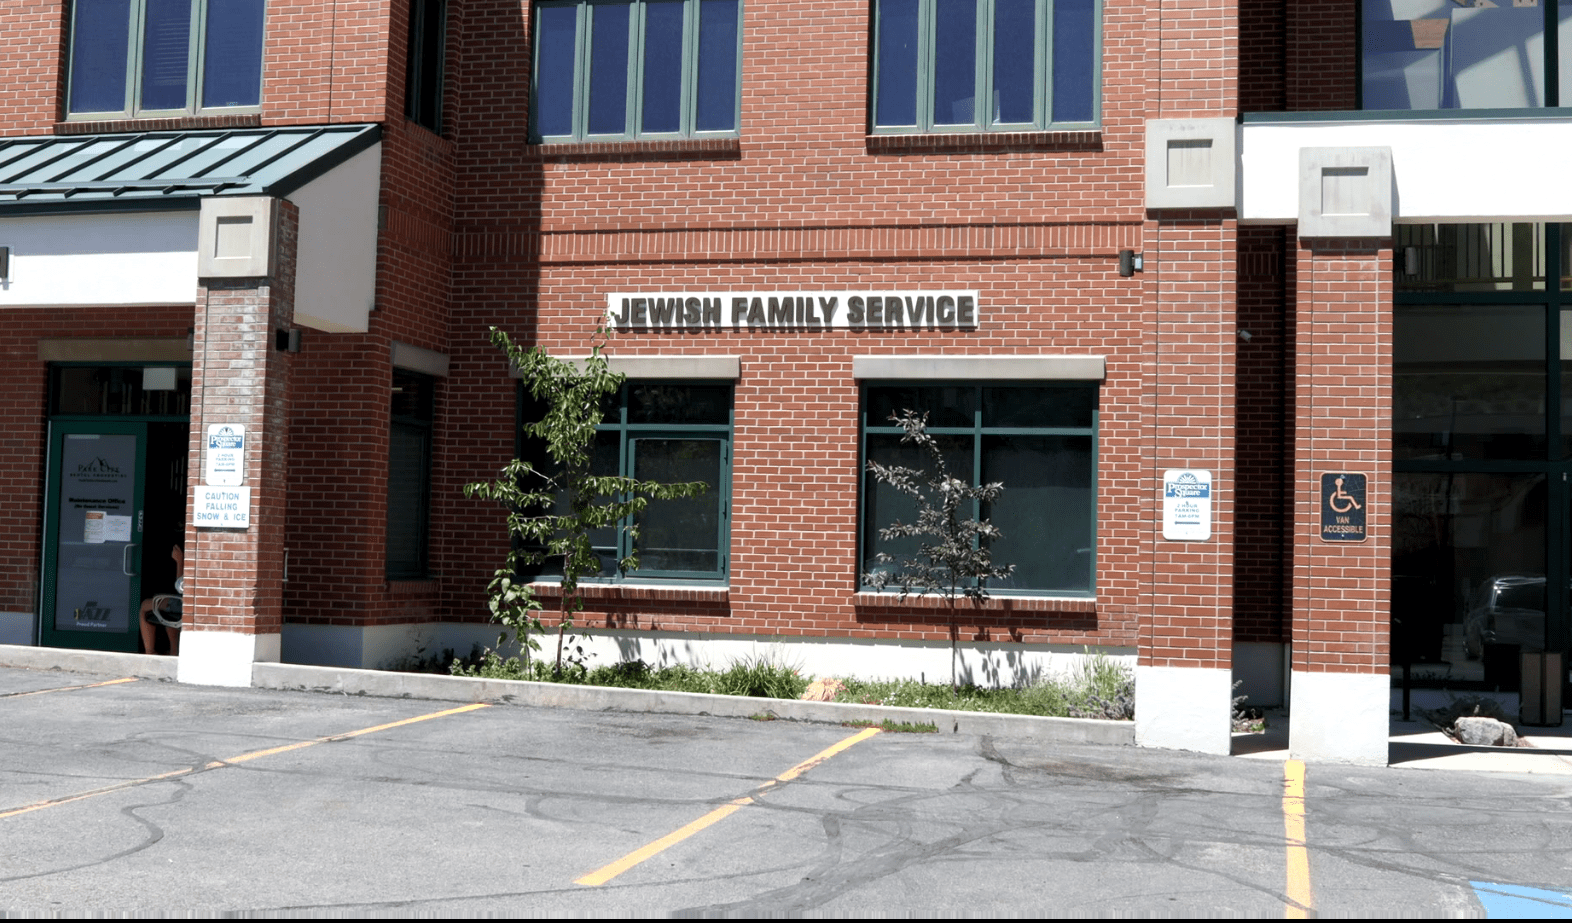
1073,67
1014,60
556,30
166,50
608,102
896,103
232,60
662,109
955,63
717,97
100,40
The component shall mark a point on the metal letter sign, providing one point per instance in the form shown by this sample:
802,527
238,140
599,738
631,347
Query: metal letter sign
1343,507
226,455
1187,505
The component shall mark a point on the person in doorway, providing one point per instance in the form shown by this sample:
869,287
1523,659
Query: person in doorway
168,610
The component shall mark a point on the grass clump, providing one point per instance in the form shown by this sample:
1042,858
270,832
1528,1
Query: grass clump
895,727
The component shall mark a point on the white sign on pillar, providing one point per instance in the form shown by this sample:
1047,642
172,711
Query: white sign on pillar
221,503
1187,505
225,464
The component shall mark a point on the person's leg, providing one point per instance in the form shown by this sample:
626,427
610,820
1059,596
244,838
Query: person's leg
174,640
147,628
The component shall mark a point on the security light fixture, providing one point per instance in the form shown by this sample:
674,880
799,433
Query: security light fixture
286,341
1130,263
1245,335
5,263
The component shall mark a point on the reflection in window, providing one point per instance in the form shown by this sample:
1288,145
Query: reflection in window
1468,381
1496,257
1445,54
1037,440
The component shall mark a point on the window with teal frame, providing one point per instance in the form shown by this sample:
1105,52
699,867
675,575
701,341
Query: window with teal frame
666,431
616,70
1039,440
164,58
986,65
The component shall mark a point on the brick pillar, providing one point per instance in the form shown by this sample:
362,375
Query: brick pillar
1184,674
234,576
1340,675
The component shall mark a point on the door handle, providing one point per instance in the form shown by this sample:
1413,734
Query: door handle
125,560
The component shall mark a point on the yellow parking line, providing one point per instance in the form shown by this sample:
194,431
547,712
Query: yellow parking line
1301,903
107,682
242,758
606,873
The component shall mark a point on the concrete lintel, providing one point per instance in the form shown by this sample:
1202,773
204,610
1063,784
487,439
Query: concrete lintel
223,658
114,349
419,359
1339,717
644,367
981,368
1184,708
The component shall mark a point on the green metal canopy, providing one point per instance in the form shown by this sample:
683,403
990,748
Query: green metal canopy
169,169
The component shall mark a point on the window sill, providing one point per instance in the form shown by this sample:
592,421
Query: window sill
183,123
618,151
642,592
1078,605
985,142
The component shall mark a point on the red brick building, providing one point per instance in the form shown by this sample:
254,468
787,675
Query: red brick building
1241,301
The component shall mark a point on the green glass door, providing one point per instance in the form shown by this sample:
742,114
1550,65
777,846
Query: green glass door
93,527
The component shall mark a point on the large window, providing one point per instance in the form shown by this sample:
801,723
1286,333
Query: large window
1038,440
671,432
1446,54
985,65
640,69
146,58
409,474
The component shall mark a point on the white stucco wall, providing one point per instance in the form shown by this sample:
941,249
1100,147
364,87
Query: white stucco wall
131,258
1184,708
1443,170
223,658
1339,717
336,265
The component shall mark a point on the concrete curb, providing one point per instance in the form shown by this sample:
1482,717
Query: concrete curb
65,660
345,681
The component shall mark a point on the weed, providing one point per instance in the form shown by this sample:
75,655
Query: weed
894,727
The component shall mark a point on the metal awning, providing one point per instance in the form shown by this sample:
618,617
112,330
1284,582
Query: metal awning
169,169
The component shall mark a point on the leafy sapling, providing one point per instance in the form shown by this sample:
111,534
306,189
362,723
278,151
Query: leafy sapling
551,514
953,559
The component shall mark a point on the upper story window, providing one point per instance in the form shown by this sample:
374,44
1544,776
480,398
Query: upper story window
985,65
1466,54
152,58
636,69
423,71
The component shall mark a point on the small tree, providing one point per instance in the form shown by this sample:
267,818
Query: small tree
551,514
953,558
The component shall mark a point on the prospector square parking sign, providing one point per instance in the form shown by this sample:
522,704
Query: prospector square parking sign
1343,507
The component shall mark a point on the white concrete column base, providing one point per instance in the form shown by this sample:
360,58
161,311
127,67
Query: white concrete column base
1339,717
223,658
1184,708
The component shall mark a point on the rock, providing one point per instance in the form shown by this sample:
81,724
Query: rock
1484,732
823,690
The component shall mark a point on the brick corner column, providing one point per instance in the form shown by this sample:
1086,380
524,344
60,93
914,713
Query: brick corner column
1340,676
234,573
1184,671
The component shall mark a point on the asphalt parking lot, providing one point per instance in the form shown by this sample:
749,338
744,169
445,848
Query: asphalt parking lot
147,797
